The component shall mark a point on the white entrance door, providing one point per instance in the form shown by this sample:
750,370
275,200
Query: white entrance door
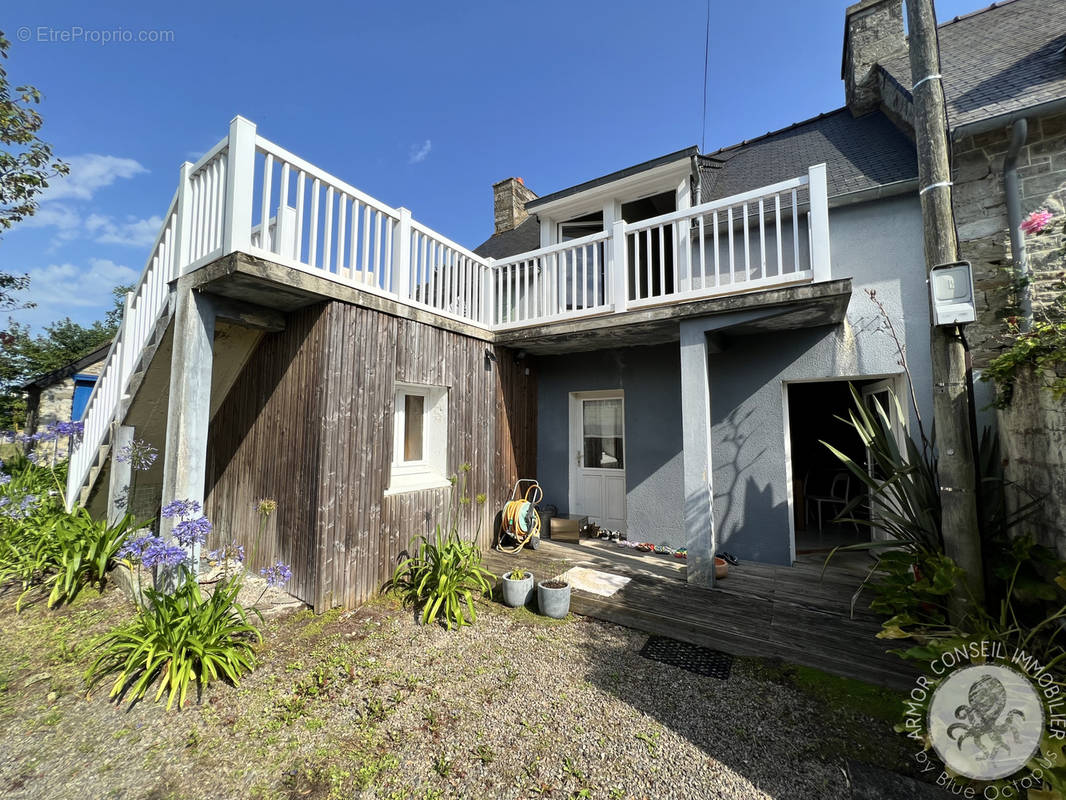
597,466
875,395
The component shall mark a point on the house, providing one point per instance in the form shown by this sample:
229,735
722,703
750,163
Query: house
663,347
63,393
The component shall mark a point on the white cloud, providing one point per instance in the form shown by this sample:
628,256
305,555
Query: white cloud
88,173
420,153
53,215
63,289
132,232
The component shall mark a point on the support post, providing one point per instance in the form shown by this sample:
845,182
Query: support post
120,487
401,251
490,293
696,432
183,224
129,354
618,266
818,189
189,408
240,181
951,404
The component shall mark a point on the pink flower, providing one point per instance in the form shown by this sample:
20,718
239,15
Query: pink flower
1036,221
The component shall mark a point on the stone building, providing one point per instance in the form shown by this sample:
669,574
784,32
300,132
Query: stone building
1004,76
61,394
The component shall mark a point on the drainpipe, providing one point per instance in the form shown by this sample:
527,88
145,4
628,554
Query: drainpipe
1019,133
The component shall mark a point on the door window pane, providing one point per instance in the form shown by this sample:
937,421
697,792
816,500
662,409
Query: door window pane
413,405
602,432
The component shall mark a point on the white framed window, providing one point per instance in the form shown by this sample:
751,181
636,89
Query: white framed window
420,438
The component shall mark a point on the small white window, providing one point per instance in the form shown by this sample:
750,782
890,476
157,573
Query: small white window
420,439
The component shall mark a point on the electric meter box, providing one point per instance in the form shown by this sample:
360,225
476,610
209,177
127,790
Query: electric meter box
951,288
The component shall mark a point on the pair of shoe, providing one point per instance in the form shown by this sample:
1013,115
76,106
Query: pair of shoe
729,557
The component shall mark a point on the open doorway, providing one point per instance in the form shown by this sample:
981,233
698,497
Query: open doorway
821,484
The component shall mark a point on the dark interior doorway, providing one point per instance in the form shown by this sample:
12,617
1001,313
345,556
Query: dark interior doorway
820,481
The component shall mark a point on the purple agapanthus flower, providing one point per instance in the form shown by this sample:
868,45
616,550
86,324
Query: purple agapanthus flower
192,531
140,455
72,428
160,554
134,549
32,457
20,510
277,575
5,479
180,508
228,552
47,435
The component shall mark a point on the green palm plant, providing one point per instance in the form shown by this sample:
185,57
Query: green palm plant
178,639
83,550
903,484
442,577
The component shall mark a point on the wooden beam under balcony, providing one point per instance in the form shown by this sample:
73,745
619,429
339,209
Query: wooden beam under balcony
805,305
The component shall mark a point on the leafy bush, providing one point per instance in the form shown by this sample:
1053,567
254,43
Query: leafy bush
41,543
903,483
83,550
442,577
179,639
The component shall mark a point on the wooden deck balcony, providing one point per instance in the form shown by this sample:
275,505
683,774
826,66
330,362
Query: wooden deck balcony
248,195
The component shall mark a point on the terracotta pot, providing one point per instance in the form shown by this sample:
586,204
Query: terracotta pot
721,568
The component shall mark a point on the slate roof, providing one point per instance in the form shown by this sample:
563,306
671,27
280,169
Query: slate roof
73,368
859,153
522,239
1004,58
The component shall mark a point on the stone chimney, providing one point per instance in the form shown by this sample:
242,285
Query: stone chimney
509,198
873,30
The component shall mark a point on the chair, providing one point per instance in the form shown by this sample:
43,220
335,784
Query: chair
837,496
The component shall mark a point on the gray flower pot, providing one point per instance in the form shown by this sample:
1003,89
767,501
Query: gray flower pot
517,594
553,602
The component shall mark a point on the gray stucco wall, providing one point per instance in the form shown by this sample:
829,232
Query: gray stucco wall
879,245
650,379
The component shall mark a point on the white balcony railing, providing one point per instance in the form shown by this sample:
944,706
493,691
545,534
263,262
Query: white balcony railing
249,195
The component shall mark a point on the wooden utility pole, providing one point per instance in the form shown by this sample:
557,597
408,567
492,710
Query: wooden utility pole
951,403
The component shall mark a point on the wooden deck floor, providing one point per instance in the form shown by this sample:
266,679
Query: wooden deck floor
792,613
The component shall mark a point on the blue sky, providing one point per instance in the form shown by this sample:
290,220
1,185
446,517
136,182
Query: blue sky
423,105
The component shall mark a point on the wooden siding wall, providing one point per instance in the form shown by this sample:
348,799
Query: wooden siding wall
309,423
263,443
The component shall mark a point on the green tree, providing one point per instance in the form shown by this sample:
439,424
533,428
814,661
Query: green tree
24,357
26,166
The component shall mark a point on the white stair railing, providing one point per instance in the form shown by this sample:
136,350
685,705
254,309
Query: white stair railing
143,306
249,195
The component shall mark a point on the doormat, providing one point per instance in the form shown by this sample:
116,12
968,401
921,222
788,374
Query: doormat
593,581
691,657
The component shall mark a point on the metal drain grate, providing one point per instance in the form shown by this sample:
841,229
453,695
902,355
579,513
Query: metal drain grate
691,657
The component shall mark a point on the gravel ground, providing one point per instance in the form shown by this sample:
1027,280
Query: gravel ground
370,704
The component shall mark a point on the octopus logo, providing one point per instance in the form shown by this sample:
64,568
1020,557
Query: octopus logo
985,721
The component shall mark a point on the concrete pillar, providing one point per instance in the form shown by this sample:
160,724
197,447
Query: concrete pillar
120,488
189,410
696,434
701,339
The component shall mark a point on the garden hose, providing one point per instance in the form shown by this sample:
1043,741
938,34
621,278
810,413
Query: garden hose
519,522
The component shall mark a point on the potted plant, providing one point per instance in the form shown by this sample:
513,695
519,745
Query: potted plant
517,587
553,598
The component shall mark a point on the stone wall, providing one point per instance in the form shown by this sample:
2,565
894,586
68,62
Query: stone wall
1032,434
981,218
55,403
